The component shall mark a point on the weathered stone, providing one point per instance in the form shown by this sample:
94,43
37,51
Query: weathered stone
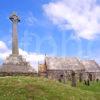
15,63
92,69
54,67
58,66
80,77
73,79
15,19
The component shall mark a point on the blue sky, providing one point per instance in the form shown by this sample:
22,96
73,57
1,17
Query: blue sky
54,27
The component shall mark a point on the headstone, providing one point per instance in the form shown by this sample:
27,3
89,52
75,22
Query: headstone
80,77
73,79
61,79
97,80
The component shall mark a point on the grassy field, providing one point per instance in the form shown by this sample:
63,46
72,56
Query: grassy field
94,87
33,88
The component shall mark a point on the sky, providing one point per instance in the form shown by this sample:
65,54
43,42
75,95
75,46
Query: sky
52,27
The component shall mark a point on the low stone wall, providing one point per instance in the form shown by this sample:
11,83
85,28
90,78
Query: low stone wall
2,74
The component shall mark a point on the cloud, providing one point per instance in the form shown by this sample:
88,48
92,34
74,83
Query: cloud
4,51
31,57
81,16
30,19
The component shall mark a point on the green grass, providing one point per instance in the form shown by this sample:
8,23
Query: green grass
94,87
33,88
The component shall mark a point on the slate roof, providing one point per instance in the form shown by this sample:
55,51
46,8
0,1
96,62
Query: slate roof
91,66
63,63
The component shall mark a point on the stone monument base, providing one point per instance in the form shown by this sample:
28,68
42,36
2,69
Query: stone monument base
16,65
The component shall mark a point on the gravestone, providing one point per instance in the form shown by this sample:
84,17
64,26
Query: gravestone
73,79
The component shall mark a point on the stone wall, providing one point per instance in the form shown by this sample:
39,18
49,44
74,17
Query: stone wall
17,74
65,74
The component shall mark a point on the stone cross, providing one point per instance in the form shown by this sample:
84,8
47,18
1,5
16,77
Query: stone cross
15,19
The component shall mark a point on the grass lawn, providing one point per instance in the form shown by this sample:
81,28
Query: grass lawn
33,88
